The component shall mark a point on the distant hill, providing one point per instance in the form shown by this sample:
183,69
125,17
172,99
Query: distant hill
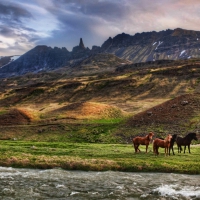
148,46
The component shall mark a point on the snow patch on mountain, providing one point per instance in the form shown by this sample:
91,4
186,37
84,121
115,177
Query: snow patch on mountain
13,58
182,52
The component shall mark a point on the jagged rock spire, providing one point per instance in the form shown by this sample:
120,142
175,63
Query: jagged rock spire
81,44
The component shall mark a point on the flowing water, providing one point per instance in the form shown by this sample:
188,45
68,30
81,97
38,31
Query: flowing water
61,184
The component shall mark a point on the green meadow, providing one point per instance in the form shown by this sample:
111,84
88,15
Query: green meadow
96,157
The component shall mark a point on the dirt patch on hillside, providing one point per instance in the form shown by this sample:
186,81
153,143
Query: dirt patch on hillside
85,110
15,117
175,112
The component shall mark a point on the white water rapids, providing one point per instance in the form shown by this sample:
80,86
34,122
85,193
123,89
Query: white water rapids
22,184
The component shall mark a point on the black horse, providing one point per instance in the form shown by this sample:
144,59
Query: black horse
171,147
186,141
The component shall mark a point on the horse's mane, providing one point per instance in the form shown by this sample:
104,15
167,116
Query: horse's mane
191,133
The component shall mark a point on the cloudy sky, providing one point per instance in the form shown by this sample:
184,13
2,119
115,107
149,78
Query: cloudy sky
27,23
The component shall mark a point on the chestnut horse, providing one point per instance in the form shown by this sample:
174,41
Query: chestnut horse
143,141
186,141
163,144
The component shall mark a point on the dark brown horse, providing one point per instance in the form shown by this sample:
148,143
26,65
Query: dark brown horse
186,141
171,147
163,144
137,141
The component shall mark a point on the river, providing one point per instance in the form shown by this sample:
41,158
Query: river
23,184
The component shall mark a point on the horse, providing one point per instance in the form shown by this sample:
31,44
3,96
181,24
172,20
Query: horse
163,144
143,141
186,141
171,147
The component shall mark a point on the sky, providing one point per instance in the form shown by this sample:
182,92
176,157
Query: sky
25,24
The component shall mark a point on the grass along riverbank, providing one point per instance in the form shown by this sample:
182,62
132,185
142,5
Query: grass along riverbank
95,157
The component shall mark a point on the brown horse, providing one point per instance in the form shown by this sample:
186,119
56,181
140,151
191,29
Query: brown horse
163,144
143,141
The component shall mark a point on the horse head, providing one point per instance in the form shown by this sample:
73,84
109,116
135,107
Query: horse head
150,135
174,136
168,138
192,136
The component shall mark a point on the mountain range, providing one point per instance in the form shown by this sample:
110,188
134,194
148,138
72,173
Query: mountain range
147,46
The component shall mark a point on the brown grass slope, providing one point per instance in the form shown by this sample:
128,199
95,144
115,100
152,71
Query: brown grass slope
176,115
151,93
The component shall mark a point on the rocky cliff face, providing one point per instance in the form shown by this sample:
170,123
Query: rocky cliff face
147,46
150,46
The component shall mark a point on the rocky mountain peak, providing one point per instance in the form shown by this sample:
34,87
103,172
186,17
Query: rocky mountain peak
81,45
182,32
80,48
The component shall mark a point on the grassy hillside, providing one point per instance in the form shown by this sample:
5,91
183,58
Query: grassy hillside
103,106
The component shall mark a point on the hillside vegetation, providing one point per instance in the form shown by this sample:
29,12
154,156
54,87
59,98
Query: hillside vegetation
92,104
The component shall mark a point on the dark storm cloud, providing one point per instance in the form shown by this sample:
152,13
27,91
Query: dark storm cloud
109,10
11,13
87,19
12,28
6,31
96,20
64,22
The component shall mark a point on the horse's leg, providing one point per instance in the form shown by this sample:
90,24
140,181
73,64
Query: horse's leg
146,148
135,147
138,148
184,148
189,148
154,149
166,151
172,150
157,153
179,149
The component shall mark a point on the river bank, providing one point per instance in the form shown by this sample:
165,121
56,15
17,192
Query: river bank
95,157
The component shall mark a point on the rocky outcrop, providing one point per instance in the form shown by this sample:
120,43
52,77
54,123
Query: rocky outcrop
81,45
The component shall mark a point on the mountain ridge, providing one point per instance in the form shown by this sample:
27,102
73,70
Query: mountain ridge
142,47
